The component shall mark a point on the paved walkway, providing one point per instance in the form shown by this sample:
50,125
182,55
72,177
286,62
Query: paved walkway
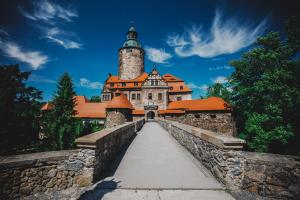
154,167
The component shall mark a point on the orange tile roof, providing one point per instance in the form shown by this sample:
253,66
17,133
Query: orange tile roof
168,111
138,112
115,79
176,87
47,106
211,103
120,101
86,109
171,78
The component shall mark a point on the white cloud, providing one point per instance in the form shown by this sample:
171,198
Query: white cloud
63,38
197,87
157,55
40,79
220,79
90,85
48,17
225,67
35,59
225,37
49,12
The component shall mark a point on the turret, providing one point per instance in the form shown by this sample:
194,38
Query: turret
118,110
131,57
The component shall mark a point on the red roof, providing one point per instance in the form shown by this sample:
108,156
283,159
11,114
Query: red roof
138,112
115,79
171,78
120,101
47,106
161,112
211,103
86,109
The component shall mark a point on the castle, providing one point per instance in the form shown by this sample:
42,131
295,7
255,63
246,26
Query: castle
133,94
145,91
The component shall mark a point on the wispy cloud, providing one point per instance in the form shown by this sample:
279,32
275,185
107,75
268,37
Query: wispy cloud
49,17
49,12
35,59
220,79
40,79
86,83
157,55
3,32
225,67
197,87
60,37
225,37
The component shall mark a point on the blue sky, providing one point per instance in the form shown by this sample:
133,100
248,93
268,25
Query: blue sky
192,39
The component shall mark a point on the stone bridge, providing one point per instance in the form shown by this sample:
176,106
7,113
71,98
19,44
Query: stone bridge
155,160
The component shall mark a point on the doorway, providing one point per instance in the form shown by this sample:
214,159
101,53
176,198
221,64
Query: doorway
150,115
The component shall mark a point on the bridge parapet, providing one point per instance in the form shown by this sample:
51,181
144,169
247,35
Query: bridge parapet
107,143
27,174
269,175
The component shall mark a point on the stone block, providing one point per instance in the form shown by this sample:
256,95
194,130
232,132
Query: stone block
82,180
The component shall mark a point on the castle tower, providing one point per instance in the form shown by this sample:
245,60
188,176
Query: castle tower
131,57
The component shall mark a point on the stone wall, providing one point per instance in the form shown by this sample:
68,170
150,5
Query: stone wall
27,174
268,175
23,175
131,63
107,143
219,122
116,117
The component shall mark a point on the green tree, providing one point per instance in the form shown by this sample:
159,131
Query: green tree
95,99
19,111
219,90
59,124
266,95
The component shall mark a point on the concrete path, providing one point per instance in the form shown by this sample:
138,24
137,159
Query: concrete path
156,166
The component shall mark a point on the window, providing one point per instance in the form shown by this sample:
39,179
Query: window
133,96
179,98
136,84
181,87
150,96
123,84
171,88
152,82
160,96
112,85
156,83
125,95
138,96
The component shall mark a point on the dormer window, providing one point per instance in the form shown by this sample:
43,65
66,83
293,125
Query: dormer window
171,88
136,84
123,84
112,85
181,87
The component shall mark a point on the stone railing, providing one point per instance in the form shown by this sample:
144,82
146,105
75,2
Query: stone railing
107,143
270,175
27,174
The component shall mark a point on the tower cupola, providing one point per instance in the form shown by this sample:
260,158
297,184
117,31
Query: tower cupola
132,38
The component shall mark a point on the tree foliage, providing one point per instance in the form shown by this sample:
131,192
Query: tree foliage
59,124
266,95
19,111
219,90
